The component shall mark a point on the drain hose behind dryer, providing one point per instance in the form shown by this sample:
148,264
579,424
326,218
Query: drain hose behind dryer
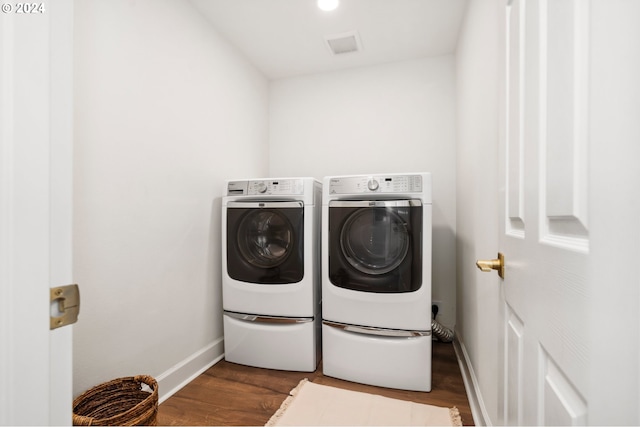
443,334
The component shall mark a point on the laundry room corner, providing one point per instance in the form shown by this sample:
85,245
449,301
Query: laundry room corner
390,118
163,107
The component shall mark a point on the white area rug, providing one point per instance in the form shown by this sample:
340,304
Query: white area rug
312,404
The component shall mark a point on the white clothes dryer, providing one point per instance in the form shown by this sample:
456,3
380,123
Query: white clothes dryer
376,279
271,292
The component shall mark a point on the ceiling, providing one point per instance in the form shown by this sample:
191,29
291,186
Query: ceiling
285,38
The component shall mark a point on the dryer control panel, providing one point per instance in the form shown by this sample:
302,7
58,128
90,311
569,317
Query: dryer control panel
376,184
265,187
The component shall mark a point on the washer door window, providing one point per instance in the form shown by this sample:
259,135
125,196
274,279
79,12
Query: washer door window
265,241
376,246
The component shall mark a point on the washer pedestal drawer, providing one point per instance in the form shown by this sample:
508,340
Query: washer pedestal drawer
279,345
394,362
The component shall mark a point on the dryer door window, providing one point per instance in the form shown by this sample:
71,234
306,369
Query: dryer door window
265,242
375,241
376,246
265,238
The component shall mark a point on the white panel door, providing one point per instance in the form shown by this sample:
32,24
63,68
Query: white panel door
35,209
547,204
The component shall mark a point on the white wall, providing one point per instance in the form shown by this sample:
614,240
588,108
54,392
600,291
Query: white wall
479,308
165,111
397,117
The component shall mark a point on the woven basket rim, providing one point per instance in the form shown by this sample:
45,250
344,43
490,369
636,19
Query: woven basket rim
152,400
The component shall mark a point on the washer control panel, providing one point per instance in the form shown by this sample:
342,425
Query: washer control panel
376,184
266,187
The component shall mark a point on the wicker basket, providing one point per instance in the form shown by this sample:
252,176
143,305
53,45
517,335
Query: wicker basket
120,402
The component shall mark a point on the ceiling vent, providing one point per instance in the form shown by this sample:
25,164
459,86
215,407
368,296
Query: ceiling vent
344,43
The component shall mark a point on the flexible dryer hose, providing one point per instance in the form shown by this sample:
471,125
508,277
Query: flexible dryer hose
442,333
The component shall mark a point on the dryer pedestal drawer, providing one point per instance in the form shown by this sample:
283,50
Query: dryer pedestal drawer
290,346
394,362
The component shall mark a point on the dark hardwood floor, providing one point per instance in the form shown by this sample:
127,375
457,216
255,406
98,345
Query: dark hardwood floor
228,394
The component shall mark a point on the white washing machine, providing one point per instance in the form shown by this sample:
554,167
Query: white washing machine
376,279
271,293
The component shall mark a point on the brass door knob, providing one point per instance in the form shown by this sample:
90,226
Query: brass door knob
492,264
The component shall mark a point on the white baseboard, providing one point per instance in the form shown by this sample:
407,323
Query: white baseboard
181,374
478,409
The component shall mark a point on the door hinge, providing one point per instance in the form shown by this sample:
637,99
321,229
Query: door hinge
65,306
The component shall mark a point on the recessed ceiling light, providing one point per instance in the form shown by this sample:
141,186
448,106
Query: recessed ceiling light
328,5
